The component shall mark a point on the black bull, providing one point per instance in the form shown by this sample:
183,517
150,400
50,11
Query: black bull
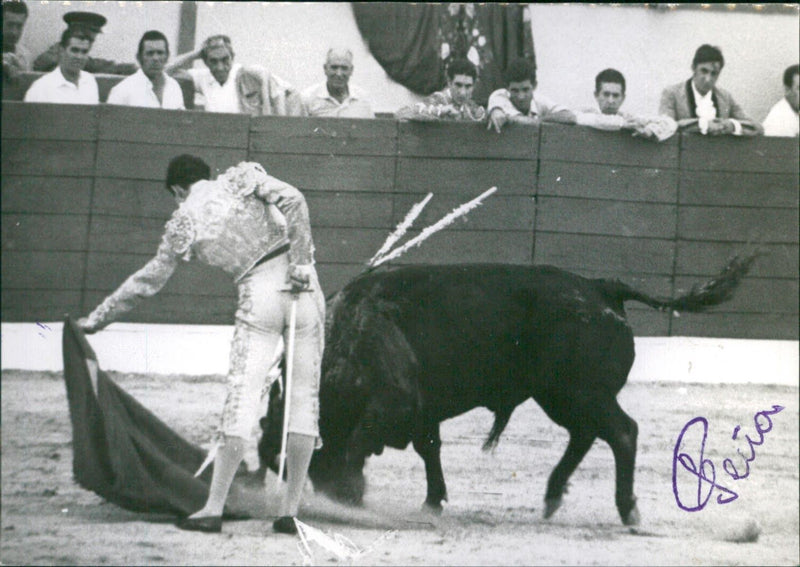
410,347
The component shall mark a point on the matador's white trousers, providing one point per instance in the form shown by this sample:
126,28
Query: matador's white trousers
262,318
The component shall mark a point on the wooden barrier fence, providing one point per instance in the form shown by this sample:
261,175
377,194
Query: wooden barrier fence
83,206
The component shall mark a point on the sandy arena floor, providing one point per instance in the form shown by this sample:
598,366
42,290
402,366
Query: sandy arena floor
494,516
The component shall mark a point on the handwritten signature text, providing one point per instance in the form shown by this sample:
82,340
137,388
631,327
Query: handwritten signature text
703,473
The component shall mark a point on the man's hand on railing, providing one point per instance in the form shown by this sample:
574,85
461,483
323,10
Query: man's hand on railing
12,67
497,119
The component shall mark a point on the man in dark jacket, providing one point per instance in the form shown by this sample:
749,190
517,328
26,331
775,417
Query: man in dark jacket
699,105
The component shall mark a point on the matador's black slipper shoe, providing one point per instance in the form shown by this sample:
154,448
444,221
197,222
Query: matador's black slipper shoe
207,524
285,525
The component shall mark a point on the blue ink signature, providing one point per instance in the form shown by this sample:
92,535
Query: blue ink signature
705,471
43,326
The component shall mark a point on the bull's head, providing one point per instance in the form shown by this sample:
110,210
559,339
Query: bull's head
367,392
332,470
269,446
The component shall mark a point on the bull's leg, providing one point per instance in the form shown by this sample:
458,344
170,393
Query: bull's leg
352,486
579,444
621,434
428,445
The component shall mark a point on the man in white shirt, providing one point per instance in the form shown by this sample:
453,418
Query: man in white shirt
149,86
517,103
216,84
609,93
90,24
225,86
783,119
336,97
68,83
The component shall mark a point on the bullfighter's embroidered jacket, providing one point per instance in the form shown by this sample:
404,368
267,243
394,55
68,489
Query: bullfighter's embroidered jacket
231,223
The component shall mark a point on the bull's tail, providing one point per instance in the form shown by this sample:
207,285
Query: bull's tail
713,292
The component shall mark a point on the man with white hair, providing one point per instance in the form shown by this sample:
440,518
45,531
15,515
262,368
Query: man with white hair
336,97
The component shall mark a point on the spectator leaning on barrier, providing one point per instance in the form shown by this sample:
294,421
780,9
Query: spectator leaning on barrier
225,86
783,119
68,83
517,103
610,94
149,86
454,102
90,24
699,105
16,58
337,97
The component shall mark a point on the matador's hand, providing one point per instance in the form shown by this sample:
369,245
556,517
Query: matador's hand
87,328
299,276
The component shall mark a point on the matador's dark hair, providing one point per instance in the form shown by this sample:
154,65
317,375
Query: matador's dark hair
185,170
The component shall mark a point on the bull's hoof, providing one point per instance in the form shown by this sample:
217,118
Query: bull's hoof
435,509
551,505
632,518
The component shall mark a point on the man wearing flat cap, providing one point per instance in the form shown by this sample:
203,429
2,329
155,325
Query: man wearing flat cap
92,24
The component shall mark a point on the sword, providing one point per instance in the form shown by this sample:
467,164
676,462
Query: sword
287,391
